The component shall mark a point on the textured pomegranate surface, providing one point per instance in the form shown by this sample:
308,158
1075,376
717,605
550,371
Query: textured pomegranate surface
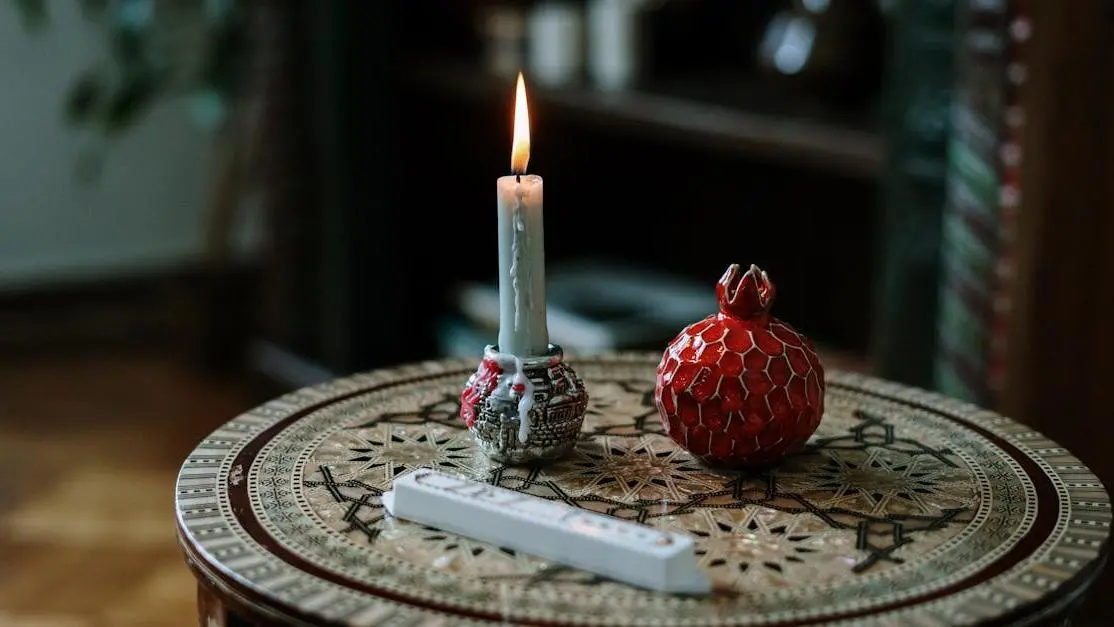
741,388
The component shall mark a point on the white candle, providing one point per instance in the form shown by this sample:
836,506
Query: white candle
522,312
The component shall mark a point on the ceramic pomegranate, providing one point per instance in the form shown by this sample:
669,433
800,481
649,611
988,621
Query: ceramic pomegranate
741,388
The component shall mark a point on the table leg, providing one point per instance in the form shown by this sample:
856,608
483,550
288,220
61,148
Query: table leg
210,610
213,612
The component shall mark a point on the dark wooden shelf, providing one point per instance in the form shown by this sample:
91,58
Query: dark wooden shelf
759,121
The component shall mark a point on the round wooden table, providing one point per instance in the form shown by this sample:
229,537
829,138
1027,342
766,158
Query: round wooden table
907,509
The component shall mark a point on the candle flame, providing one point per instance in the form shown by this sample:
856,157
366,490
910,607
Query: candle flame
520,147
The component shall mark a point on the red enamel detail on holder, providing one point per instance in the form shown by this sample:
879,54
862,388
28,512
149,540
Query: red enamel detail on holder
480,385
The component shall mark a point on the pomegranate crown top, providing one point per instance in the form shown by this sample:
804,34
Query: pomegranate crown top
744,294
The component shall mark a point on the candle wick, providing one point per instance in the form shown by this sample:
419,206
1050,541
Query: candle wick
517,178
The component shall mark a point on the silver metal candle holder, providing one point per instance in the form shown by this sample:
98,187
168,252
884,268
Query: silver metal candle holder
554,418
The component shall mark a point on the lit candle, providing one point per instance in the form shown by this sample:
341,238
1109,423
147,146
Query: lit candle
522,313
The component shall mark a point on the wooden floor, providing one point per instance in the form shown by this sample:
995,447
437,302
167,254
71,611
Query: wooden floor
89,448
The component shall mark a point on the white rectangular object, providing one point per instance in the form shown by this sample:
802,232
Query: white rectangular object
605,545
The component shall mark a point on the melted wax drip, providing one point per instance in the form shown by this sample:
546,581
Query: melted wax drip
513,382
516,254
522,385
518,225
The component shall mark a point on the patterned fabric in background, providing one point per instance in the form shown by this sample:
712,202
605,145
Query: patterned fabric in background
1020,30
916,120
981,205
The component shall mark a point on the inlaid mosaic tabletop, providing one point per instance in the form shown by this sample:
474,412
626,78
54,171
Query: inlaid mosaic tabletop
906,508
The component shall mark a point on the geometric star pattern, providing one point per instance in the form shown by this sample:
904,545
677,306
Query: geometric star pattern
764,548
853,502
881,481
904,508
632,470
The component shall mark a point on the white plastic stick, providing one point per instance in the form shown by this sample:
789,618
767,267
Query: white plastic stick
619,549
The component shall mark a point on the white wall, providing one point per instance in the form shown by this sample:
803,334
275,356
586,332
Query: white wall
145,212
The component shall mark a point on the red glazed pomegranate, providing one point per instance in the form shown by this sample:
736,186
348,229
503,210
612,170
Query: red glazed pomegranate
741,388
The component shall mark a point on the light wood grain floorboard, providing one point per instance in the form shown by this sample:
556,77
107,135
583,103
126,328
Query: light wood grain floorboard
89,448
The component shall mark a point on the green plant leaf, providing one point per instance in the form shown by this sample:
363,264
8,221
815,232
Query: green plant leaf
134,14
224,64
128,103
209,108
127,47
93,9
33,14
86,95
143,69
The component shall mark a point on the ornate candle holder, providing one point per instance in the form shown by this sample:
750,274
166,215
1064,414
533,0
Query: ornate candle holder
524,410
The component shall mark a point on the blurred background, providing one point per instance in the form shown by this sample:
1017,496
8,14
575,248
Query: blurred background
204,203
